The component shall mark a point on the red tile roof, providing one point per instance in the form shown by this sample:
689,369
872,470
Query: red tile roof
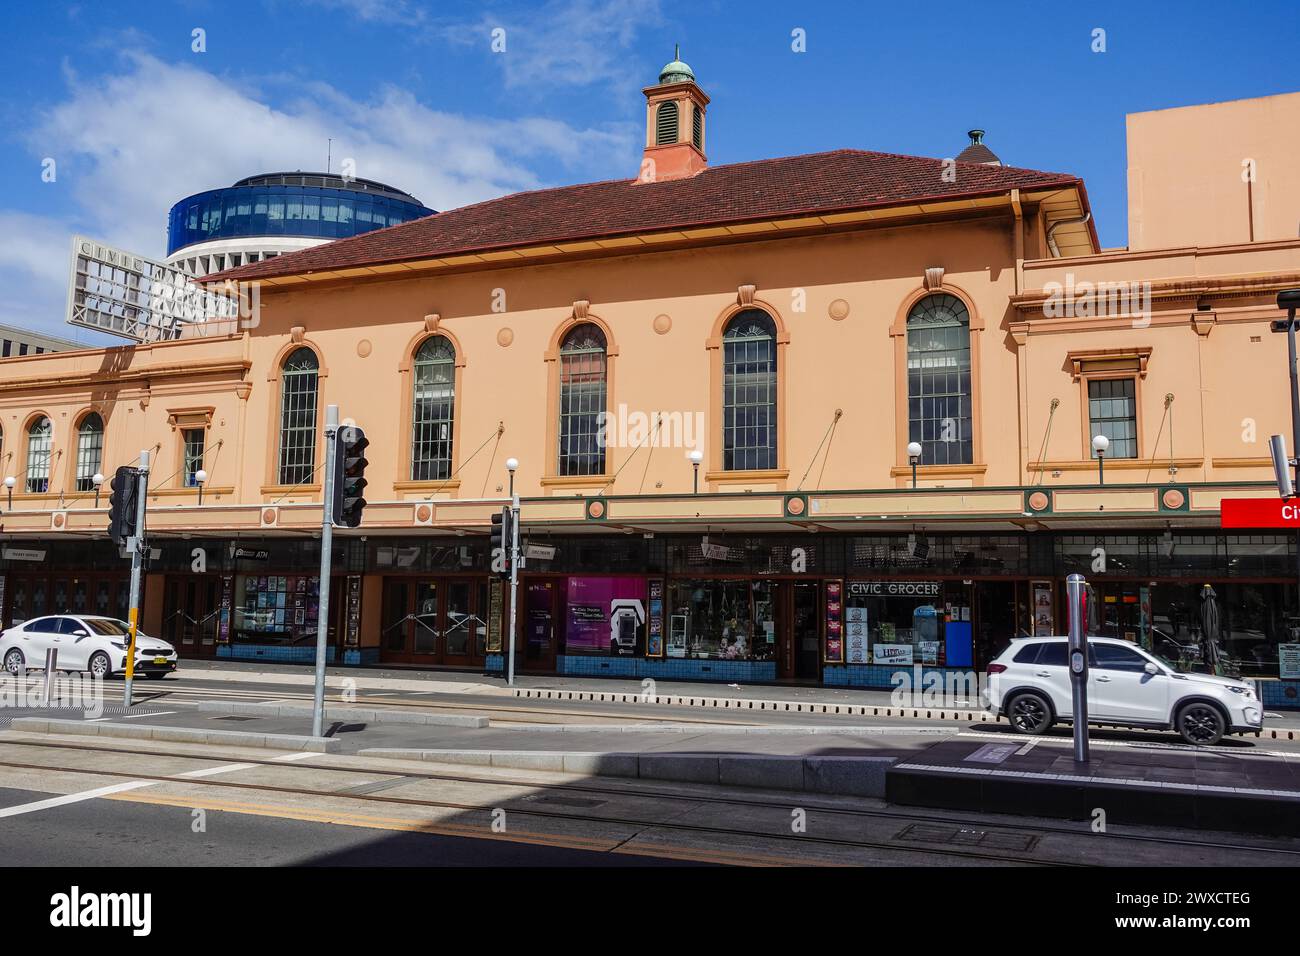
814,184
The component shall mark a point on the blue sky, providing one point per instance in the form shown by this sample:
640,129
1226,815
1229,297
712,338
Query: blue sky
135,119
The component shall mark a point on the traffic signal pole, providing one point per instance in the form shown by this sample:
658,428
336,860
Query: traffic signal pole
326,552
137,565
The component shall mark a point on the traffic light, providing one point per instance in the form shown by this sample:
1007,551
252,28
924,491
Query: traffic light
349,476
123,504
501,540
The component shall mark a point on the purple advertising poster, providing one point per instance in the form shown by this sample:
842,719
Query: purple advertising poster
604,615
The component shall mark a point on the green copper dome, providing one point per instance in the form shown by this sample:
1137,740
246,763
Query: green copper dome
677,71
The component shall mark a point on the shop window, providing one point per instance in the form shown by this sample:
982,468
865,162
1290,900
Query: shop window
749,424
90,451
605,616
434,410
720,620
1112,411
298,386
583,397
40,441
906,622
276,609
939,400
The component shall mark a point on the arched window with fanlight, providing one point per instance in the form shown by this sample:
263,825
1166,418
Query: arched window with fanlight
666,118
749,424
939,404
299,381
40,443
433,411
90,451
583,387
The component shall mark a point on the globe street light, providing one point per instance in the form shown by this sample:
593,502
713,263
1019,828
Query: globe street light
914,456
10,481
696,456
511,465
97,479
200,478
1099,444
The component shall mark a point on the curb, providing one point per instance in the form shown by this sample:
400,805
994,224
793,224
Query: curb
849,776
738,703
41,725
370,715
795,730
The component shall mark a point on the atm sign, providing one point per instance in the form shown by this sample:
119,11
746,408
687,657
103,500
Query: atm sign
1260,513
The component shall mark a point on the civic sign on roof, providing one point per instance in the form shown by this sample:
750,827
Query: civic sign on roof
1260,513
113,290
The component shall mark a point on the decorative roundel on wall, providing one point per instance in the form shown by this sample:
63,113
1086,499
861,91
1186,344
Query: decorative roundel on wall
595,509
505,337
423,513
838,310
1039,501
794,506
364,348
268,516
1174,499
58,521
662,323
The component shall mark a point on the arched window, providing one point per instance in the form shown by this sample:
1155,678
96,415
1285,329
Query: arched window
582,401
939,380
90,450
666,124
298,384
40,441
749,392
434,410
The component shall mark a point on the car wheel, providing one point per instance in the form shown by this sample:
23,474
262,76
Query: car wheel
1029,714
14,662
99,664
1200,724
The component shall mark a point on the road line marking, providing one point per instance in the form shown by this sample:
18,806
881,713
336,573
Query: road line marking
285,758
213,771
74,798
1026,748
161,713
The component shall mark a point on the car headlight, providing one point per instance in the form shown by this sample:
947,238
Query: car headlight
1243,691
120,645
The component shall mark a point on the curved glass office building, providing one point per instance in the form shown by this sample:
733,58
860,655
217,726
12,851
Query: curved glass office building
264,216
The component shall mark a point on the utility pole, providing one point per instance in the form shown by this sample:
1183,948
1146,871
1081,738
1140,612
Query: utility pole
137,546
511,465
326,549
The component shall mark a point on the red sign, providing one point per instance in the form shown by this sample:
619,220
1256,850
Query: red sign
1260,513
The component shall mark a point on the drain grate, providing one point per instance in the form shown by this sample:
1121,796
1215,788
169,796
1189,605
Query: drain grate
968,836
234,717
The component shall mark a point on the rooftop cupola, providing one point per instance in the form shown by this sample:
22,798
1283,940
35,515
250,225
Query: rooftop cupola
977,152
674,125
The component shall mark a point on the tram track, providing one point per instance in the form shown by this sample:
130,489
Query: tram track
651,790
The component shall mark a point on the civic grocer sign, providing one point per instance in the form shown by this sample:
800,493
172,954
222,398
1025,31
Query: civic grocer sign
1260,513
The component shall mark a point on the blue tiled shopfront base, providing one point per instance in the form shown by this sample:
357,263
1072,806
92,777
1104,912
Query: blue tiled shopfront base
281,654
750,672
360,656
1282,694
877,676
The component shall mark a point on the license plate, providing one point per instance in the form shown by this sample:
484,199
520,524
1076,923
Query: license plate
160,660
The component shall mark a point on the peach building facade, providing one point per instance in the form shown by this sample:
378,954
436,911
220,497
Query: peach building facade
799,322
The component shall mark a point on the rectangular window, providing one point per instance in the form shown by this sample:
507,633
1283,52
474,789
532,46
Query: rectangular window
1112,411
194,442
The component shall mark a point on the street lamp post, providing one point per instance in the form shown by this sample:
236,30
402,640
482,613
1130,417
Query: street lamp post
97,479
914,456
10,481
200,479
697,456
1099,444
1290,300
512,464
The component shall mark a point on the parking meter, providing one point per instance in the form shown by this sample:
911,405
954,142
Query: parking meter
1076,591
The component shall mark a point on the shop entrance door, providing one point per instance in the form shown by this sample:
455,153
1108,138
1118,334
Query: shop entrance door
539,626
191,607
800,630
434,621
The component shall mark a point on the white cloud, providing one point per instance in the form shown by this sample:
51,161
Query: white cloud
132,143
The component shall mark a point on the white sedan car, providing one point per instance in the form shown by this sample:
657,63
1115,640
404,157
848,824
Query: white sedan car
84,643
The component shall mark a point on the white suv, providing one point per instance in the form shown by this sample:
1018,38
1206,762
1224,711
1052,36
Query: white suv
1029,684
